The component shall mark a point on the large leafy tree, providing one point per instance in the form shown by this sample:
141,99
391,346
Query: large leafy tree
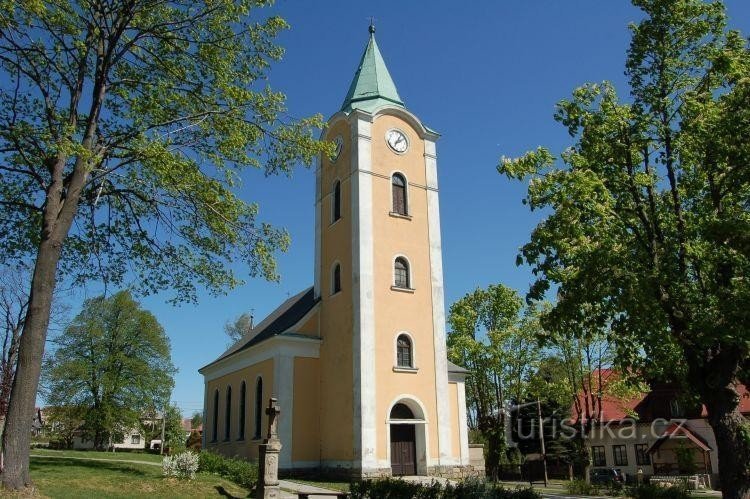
648,213
114,362
494,336
123,128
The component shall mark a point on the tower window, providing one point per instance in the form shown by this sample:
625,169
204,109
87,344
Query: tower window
336,201
258,407
228,414
336,279
243,389
401,273
398,186
404,356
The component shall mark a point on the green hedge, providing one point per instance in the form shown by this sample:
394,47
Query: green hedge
389,488
648,491
239,471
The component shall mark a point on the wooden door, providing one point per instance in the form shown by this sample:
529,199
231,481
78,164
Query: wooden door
403,449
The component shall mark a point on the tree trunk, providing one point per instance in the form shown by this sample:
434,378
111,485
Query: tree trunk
16,437
732,434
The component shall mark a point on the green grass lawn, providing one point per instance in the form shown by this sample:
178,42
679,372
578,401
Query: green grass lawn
127,456
75,478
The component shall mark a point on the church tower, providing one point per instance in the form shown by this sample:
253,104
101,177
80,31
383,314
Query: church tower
389,406
357,361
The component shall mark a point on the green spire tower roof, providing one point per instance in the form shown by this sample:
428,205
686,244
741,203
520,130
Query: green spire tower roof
372,85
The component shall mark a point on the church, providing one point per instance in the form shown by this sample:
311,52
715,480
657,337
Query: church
358,361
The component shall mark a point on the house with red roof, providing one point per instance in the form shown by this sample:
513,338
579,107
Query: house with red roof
652,432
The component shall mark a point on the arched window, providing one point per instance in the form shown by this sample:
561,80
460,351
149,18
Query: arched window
336,201
398,185
404,356
336,279
215,419
228,414
401,411
243,389
401,273
258,408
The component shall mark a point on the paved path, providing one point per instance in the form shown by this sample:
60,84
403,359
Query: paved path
131,461
290,489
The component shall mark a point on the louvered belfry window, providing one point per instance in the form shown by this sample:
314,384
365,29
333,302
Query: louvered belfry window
336,201
403,351
398,183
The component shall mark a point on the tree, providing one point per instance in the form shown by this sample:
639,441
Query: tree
239,328
63,423
196,420
114,361
14,301
648,213
494,337
123,129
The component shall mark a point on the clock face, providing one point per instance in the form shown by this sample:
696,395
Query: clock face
339,143
397,140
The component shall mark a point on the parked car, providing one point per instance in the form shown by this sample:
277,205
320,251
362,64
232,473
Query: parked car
603,476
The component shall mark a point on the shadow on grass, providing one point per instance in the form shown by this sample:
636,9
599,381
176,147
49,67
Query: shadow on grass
51,463
225,493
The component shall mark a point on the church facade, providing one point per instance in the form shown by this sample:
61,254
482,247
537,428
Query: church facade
358,361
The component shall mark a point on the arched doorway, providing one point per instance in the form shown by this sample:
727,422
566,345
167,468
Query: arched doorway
407,445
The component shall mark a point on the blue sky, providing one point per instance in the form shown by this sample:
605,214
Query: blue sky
485,74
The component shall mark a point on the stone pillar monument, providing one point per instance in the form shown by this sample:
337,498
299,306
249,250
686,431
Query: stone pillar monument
268,479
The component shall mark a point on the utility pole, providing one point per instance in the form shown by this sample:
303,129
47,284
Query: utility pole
541,438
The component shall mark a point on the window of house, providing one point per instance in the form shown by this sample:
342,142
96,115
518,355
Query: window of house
597,456
228,414
404,356
242,412
336,279
336,208
620,454
398,185
135,439
215,419
401,273
258,408
641,455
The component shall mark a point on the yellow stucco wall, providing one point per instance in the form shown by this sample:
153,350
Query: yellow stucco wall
306,422
309,327
453,403
398,311
336,315
247,448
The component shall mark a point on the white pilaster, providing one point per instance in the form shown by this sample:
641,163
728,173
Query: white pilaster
283,378
318,215
463,427
363,293
438,305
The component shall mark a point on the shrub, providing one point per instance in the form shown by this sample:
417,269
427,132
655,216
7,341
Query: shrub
239,471
390,488
649,491
581,488
194,441
181,466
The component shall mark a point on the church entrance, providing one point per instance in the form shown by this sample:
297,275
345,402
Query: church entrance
404,441
403,449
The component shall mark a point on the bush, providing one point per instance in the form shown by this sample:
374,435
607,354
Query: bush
181,466
241,472
390,488
581,488
648,491
194,441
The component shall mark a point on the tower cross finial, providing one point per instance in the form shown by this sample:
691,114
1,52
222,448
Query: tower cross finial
372,25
